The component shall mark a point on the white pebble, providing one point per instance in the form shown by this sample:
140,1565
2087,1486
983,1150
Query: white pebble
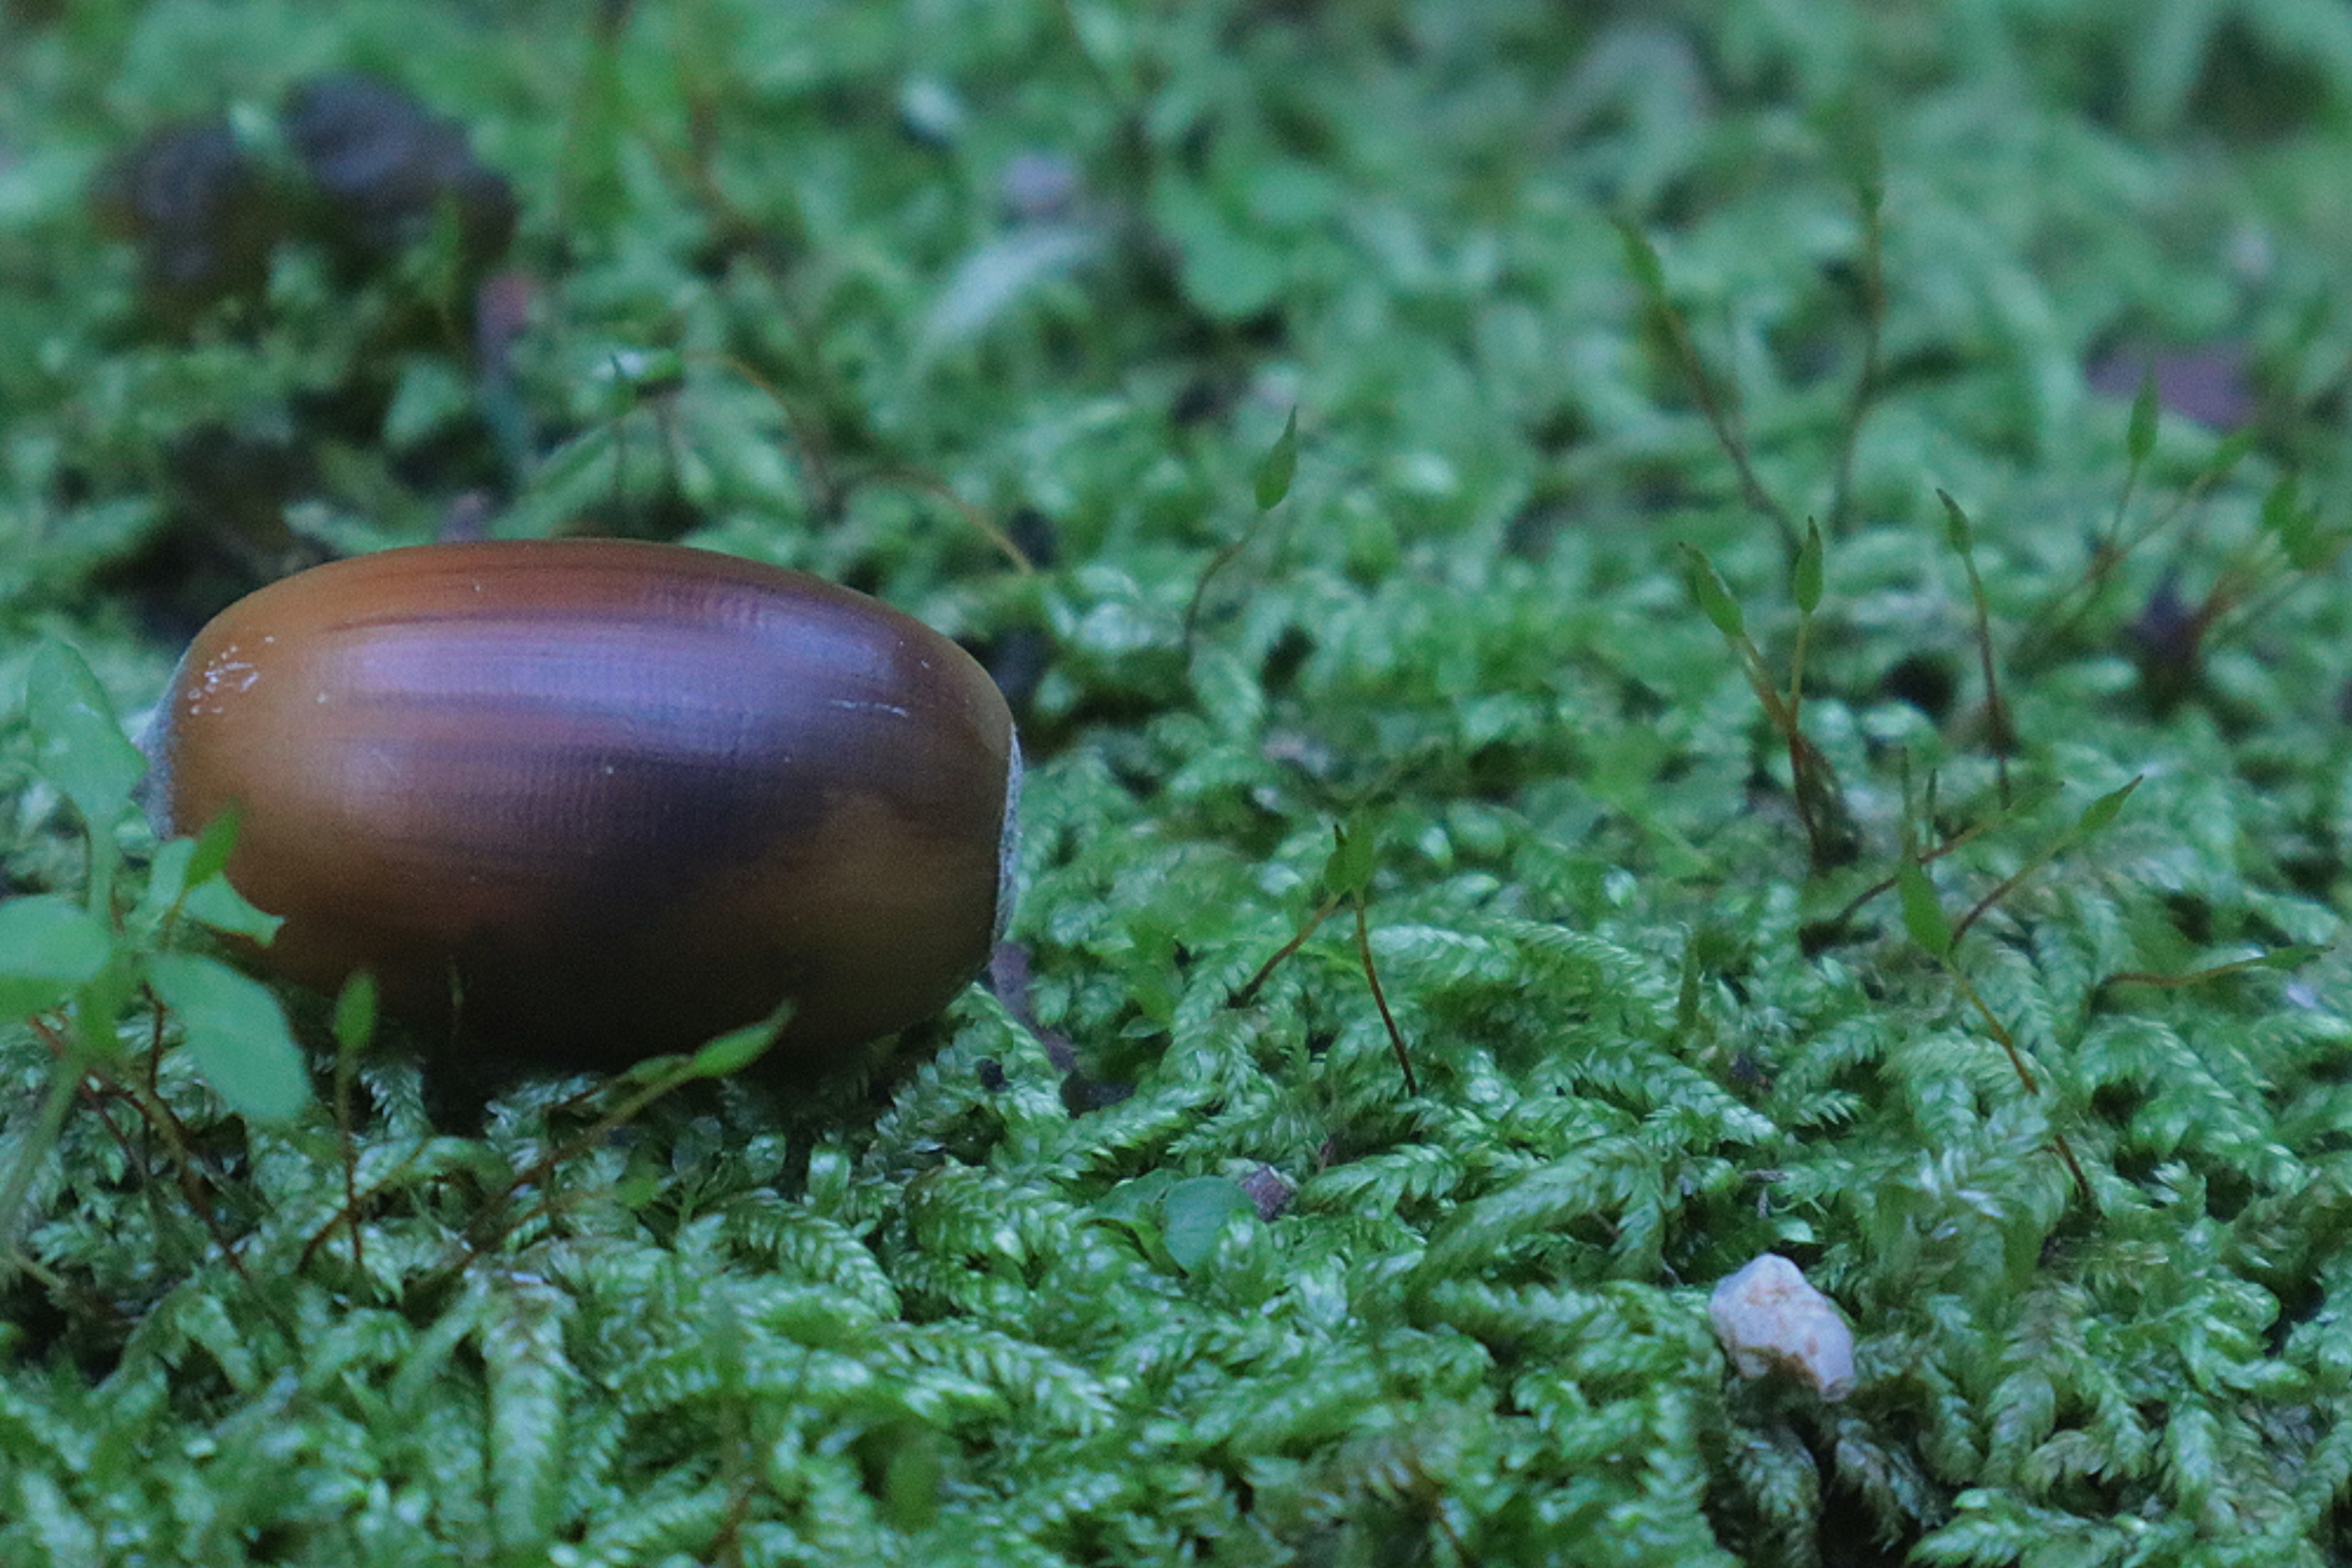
1770,1320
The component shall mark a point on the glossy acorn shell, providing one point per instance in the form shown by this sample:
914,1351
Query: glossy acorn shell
590,801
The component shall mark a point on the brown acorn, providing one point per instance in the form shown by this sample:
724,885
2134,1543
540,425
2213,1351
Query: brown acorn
588,801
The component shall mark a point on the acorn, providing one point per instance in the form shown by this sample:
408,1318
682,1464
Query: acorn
580,802
384,167
202,213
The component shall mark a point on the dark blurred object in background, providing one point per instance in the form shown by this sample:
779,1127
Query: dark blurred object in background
203,214
384,167
2212,384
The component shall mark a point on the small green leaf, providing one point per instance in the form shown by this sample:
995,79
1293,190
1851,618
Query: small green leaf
1714,595
237,1032
1870,194
1198,1209
355,1012
185,879
167,881
2139,440
214,844
1808,570
78,743
1137,1201
1281,464
2102,811
1922,915
2228,453
1349,871
224,910
2287,957
1641,260
50,947
1956,532
736,1050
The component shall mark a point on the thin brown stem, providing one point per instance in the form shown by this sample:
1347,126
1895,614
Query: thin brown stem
1248,993
1727,435
2065,1151
1886,884
1380,1000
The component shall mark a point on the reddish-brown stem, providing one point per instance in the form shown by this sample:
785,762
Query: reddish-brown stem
1248,993
1380,1000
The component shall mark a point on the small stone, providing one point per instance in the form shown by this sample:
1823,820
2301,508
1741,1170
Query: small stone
1769,1320
1270,1191
1041,187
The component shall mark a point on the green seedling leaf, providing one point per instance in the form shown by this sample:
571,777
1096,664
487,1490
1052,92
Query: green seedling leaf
50,948
1712,593
1281,465
2228,453
2139,440
237,1032
1808,570
217,904
1922,915
1138,1202
1957,531
1139,1208
1198,1209
1641,260
355,1012
78,743
736,1050
2101,812
167,883
1851,134
1349,871
213,846
186,878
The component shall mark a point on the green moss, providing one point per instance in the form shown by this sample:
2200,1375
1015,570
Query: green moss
1137,1263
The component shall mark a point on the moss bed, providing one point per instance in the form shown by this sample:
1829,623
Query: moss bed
1648,633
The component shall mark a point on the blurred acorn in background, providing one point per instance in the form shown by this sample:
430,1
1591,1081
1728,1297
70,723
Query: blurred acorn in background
202,212
384,167
373,172
360,175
